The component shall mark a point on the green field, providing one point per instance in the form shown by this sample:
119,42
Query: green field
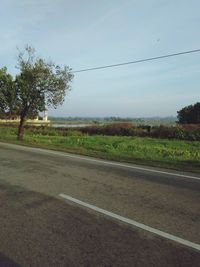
154,121
175,154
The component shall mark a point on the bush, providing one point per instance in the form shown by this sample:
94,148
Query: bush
163,132
180,132
118,129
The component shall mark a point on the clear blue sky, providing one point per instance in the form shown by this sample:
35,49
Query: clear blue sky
90,33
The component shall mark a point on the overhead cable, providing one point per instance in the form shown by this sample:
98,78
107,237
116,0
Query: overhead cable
137,61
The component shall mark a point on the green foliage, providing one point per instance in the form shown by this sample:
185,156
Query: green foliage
50,131
7,133
8,95
189,114
71,132
38,85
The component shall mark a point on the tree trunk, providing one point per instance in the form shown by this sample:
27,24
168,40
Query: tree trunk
20,133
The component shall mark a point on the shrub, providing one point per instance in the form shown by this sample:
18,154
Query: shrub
119,129
180,132
163,132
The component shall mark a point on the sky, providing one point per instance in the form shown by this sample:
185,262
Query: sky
90,33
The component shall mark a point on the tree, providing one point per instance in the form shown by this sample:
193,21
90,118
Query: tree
189,114
38,85
8,95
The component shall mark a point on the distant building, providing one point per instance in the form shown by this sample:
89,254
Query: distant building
45,117
14,119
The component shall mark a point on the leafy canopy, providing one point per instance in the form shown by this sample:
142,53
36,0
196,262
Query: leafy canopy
189,114
8,95
40,84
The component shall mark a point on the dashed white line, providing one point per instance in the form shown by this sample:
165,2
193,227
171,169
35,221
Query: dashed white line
133,223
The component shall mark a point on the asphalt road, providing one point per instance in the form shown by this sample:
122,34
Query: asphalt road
39,228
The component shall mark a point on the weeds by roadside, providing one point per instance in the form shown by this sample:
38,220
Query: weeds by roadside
176,154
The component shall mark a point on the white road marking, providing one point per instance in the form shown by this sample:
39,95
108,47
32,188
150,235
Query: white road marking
65,154
133,223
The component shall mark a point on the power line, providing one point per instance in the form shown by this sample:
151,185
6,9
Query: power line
138,61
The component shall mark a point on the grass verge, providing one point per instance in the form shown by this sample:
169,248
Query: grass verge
173,154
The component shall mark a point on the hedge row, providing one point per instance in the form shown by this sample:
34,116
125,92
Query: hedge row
181,132
186,132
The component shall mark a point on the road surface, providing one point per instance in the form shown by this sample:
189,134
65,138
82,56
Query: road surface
38,227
